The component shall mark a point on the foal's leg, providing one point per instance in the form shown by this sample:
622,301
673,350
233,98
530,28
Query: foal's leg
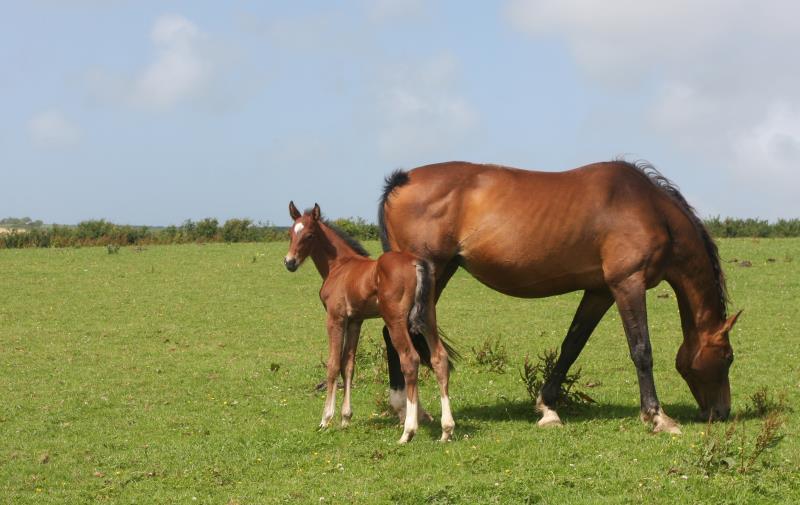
409,364
443,272
591,309
349,355
335,336
397,383
629,294
441,366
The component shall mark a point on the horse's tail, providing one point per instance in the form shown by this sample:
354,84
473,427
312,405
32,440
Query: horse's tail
394,180
418,322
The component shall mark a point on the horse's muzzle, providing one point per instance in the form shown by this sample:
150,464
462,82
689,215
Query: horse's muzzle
290,264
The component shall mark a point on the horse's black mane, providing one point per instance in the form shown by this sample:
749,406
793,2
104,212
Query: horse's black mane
394,180
674,193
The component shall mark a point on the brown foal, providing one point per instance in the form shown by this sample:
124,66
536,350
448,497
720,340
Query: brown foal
397,287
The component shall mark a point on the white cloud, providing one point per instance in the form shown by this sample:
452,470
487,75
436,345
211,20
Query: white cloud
421,111
51,130
726,91
186,67
180,70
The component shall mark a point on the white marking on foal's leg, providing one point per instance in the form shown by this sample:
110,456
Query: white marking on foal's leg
411,425
298,228
549,416
448,424
330,407
347,410
397,400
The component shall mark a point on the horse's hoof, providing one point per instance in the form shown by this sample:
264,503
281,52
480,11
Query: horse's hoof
445,437
550,418
345,423
406,438
666,426
323,425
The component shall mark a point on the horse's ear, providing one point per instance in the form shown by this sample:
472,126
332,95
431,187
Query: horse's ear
293,212
728,324
316,213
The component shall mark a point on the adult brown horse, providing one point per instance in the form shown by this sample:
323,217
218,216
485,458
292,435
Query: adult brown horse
612,230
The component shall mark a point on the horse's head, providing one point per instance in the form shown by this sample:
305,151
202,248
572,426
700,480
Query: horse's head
704,365
304,228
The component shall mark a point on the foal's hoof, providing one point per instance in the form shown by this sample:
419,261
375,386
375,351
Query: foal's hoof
345,422
323,425
406,438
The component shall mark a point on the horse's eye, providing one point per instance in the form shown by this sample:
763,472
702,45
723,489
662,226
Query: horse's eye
308,236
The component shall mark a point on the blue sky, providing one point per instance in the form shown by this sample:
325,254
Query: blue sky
156,112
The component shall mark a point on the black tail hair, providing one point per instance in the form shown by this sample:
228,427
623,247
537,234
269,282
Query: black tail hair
392,181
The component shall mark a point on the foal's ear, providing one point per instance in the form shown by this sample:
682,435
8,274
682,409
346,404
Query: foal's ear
728,324
315,212
293,212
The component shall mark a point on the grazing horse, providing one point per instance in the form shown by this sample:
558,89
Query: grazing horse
396,287
612,230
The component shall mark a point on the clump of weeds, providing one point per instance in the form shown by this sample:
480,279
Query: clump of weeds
731,449
536,375
492,355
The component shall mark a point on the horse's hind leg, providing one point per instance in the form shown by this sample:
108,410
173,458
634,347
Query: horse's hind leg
397,383
335,337
593,306
409,364
349,358
441,367
629,294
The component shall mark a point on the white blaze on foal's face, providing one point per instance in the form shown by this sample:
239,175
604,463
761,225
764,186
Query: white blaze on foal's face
298,227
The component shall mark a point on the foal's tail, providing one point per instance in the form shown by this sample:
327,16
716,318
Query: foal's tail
418,323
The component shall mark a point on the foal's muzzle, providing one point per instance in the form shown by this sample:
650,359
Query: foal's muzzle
291,264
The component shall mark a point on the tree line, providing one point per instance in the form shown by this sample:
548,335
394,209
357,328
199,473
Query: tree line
23,232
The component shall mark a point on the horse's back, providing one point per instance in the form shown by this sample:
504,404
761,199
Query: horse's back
528,233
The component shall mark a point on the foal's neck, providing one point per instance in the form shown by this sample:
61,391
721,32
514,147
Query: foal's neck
329,250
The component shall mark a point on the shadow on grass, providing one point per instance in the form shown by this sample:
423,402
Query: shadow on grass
520,410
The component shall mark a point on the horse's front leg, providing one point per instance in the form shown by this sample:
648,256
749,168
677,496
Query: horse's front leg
336,327
631,302
590,311
350,346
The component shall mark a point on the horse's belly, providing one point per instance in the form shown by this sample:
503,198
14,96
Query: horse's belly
534,280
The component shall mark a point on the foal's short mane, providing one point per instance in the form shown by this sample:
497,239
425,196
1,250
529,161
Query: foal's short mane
668,187
354,244
394,180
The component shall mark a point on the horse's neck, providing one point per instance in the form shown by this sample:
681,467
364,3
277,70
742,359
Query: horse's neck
330,250
702,311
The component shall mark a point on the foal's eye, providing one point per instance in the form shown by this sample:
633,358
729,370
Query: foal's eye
307,236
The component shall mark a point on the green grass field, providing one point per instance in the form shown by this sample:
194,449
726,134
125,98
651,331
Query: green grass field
186,374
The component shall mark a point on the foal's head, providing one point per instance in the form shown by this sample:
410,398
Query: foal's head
303,234
705,367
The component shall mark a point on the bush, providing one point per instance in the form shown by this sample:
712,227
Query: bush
238,230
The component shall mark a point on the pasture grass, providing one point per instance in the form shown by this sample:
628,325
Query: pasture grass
187,374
